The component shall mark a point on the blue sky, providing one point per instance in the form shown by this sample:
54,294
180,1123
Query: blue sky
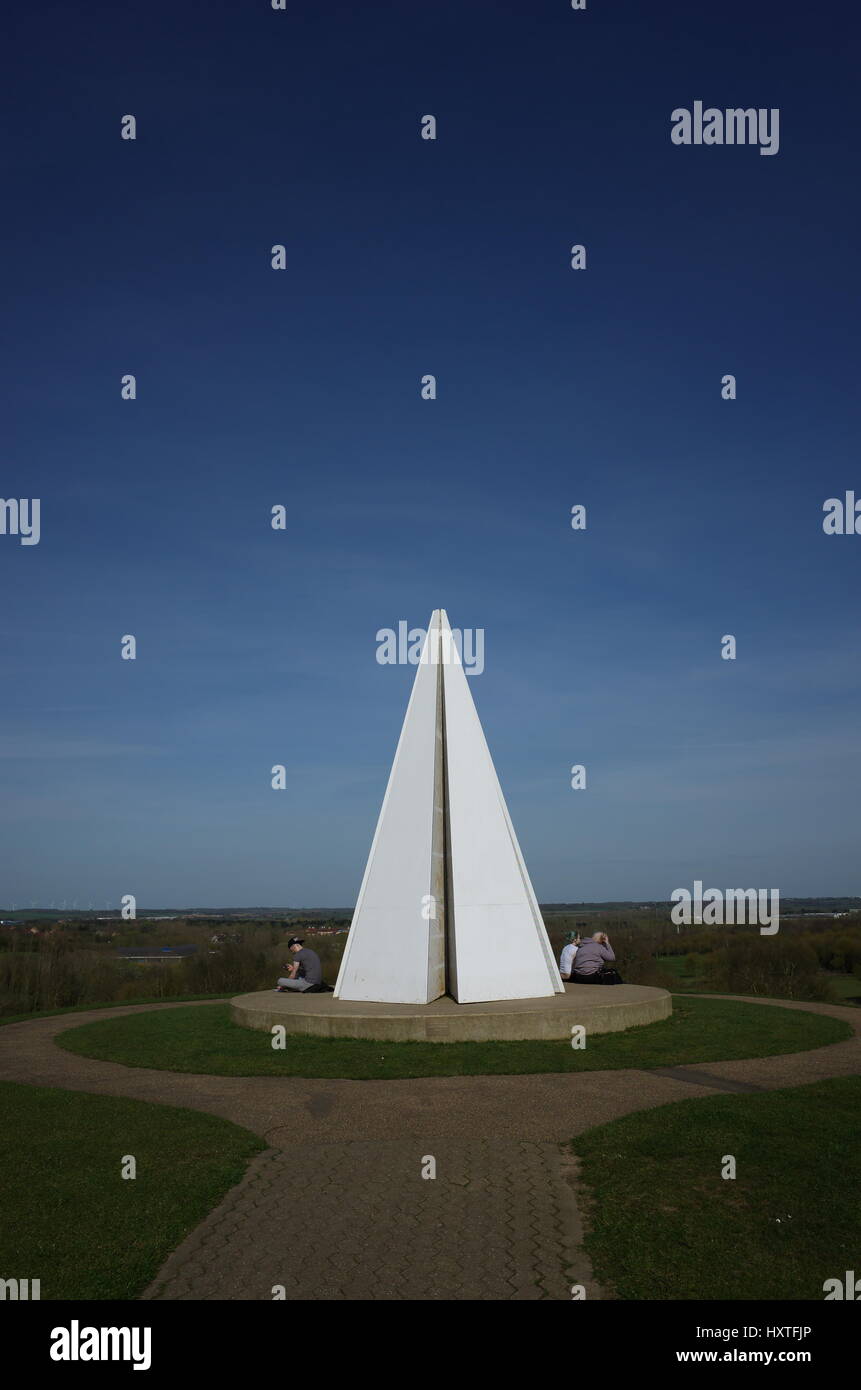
301,387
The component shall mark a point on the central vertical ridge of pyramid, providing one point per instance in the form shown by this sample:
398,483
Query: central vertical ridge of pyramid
446,904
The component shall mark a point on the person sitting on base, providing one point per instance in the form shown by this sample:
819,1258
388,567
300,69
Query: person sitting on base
590,963
304,971
569,951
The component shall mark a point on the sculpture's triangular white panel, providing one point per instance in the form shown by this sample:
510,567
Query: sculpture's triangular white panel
497,943
446,901
395,948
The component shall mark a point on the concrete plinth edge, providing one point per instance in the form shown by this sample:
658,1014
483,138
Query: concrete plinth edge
599,1008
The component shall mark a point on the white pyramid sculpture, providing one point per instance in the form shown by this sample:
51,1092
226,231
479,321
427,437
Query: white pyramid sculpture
445,905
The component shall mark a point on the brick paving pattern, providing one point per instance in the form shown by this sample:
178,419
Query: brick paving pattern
499,1222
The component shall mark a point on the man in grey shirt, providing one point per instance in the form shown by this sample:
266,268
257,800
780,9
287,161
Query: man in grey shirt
305,969
591,957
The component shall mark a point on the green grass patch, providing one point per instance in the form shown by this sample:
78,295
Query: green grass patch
663,1223
847,988
206,1041
112,1004
674,965
72,1221
677,968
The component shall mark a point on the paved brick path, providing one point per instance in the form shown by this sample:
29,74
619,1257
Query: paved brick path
499,1221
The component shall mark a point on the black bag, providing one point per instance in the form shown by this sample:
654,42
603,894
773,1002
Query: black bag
610,977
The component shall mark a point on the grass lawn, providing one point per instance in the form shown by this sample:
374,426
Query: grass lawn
677,967
72,1221
110,1004
206,1041
847,988
664,1224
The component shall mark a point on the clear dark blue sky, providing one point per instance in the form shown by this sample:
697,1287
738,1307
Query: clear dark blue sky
301,387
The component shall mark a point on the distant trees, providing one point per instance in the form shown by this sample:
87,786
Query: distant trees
61,968
787,969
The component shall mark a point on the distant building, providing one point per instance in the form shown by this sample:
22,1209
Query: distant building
154,953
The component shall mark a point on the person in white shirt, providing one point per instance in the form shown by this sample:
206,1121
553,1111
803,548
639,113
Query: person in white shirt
569,951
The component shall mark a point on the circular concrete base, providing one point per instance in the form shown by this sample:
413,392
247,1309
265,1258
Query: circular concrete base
599,1008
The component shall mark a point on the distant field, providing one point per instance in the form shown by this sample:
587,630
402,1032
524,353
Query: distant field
206,1041
846,989
677,966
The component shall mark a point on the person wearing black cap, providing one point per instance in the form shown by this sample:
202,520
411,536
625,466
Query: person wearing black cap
305,969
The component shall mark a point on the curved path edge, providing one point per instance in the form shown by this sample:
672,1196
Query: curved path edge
500,1144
